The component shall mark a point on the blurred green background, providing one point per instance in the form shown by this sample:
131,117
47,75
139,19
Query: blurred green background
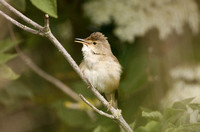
156,42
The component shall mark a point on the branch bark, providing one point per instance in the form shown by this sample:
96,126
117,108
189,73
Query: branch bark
116,113
48,77
95,109
28,29
20,15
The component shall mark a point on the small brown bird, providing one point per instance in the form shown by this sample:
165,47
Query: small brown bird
100,66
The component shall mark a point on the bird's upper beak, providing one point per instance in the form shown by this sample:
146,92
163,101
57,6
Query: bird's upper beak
82,41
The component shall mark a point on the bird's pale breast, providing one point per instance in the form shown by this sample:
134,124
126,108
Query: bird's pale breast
103,73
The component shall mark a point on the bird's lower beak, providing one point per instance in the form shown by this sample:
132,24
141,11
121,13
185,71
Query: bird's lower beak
82,41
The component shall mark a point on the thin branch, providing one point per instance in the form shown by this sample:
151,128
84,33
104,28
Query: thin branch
48,77
46,28
62,86
46,22
74,65
115,112
95,109
67,56
28,29
42,73
20,15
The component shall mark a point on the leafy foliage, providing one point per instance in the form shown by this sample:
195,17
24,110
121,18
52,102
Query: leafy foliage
146,64
6,57
154,115
47,6
6,73
174,119
13,92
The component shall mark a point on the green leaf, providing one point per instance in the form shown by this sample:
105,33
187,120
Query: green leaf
47,6
171,115
185,128
132,125
154,115
7,44
182,104
6,57
19,4
194,106
6,73
184,119
152,126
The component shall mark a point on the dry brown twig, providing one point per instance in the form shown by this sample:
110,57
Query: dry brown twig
45,31
28,29
59,84
47,77
67,90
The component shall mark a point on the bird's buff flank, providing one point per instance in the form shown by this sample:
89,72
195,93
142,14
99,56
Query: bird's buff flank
100,66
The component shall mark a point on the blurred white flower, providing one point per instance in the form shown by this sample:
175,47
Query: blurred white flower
135,17
185,84
194,115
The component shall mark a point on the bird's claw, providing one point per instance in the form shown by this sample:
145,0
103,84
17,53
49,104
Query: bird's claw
109,105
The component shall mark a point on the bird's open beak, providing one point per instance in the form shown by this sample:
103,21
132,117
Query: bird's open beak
82,41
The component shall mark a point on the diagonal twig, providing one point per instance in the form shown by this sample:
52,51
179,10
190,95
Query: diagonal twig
20,15
95,109
42,73
115,112
48,77
28,29
46,23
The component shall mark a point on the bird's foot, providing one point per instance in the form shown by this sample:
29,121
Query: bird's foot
109,105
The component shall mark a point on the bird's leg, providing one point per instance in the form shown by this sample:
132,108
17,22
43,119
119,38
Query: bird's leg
108,97
111,99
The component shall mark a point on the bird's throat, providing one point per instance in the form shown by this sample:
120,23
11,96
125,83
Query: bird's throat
88,52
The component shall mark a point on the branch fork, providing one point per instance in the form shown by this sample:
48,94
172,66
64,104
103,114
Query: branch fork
45,31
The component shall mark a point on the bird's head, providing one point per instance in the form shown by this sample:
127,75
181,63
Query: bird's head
96,44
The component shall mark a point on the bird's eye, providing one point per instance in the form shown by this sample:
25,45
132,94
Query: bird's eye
94,43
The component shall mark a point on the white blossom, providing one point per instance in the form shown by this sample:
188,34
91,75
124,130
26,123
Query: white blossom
135,17
185,84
